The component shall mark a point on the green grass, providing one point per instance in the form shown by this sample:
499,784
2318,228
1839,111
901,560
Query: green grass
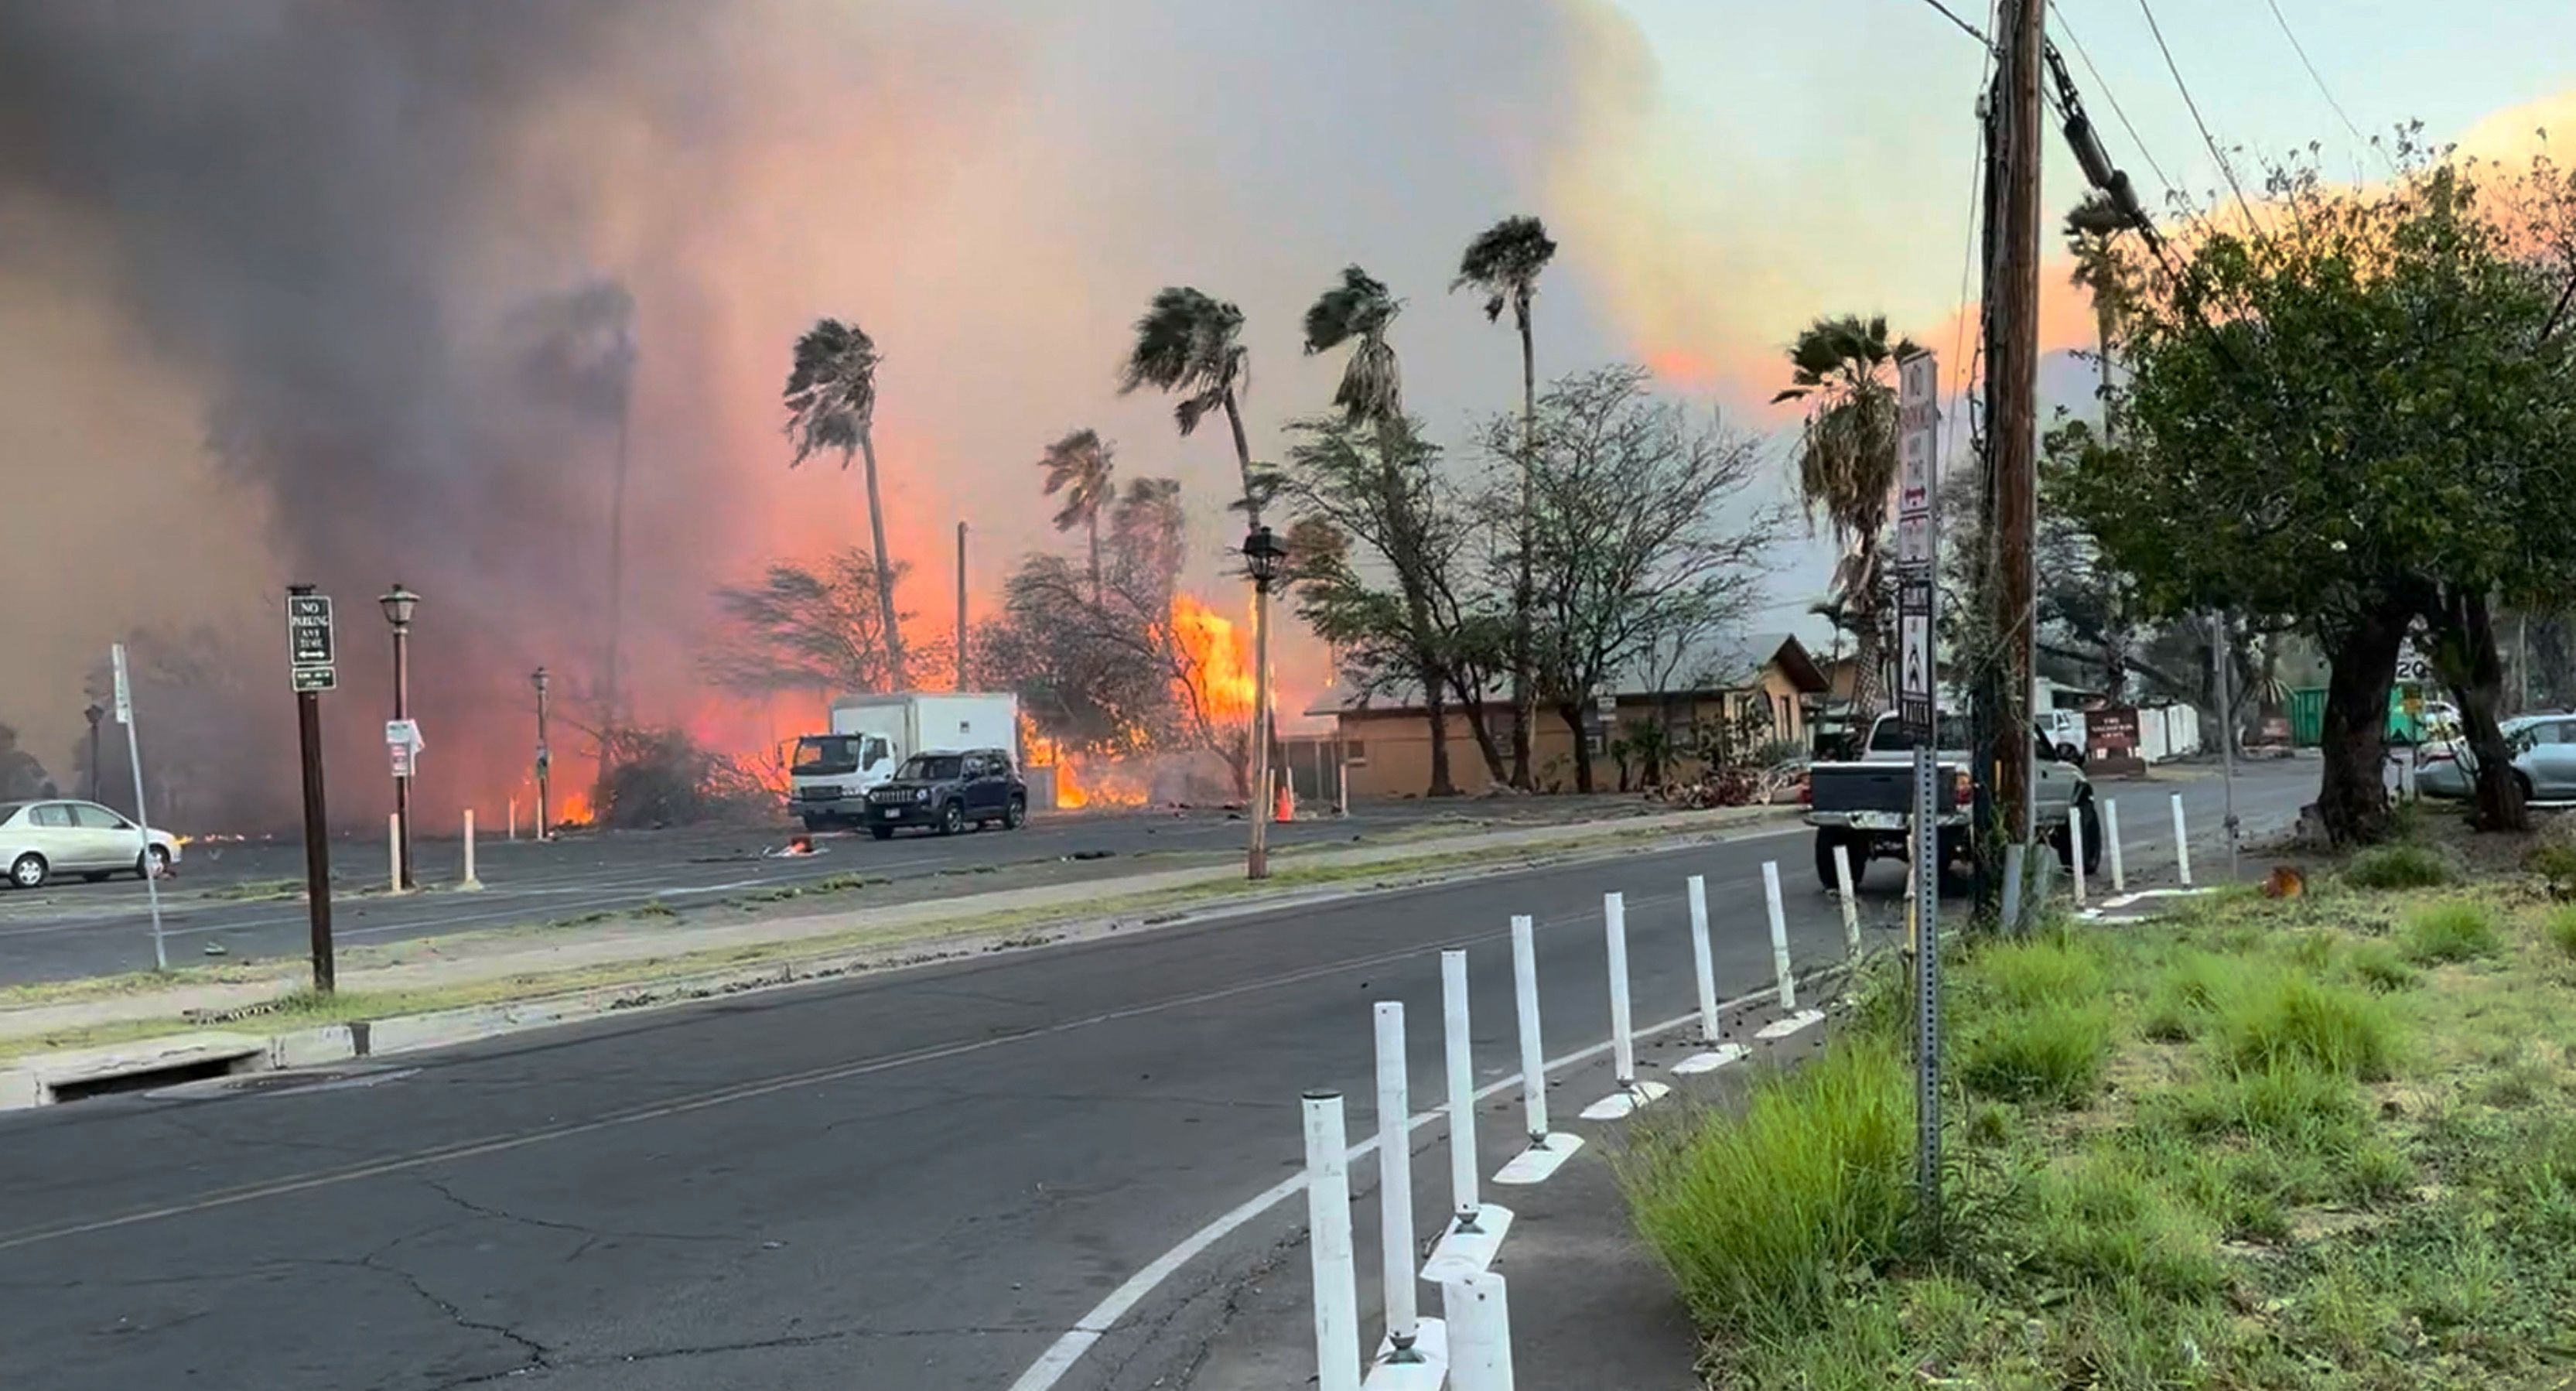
2454,931
1764,1220
2402,865
2256,1148
2561,930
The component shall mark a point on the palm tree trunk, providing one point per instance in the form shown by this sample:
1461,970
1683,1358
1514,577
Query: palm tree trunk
1524,691
1243,460
885,567
1868,642
1095,557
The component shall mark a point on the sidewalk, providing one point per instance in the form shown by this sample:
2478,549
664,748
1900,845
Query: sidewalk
707,957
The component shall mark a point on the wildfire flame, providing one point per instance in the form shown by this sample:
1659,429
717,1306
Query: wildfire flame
1220,668
575,811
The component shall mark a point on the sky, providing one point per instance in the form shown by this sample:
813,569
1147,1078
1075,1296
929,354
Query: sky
324,218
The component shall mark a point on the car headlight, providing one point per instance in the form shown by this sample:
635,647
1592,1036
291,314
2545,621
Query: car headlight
921,794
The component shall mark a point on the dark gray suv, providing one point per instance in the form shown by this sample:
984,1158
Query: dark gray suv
947,792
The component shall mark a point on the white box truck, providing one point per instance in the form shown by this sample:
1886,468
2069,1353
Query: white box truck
871,736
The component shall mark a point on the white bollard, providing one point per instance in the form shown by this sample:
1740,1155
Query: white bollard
1328,1224
2075,843
1792,1018
469,882
1547,1152
393,852
2406,777
513,815
1701,964
1851,901
1395,1180
2111,845
1623,1043
1480,1332
2182,843
1462,1091
1779,936
2016,872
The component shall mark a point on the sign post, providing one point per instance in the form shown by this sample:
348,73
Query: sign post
142,821
1918,580
310,657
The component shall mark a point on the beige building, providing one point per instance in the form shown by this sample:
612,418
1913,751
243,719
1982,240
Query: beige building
1744,694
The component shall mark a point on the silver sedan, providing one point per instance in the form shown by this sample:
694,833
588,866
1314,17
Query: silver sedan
2544,761
39,840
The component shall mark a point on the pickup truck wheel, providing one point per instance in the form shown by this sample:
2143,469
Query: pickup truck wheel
952,818
2092,822
1825,843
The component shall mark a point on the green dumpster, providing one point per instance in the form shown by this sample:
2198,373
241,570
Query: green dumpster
2308,717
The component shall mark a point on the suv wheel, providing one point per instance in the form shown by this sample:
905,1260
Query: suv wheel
952,818
1016,814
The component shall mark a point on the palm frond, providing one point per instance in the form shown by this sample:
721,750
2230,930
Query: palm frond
1504,261
831,392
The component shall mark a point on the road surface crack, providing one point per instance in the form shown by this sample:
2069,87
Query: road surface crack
592,1236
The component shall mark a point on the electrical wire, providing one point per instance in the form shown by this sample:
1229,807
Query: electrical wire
2322,89
2206,138
2108,95
1964,26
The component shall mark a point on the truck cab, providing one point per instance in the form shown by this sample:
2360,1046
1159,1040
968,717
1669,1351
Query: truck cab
831,773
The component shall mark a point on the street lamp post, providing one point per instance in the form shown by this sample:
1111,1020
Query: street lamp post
95,712
399,604
545,758
1263,557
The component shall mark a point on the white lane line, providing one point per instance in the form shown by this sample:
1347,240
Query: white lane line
1068,1348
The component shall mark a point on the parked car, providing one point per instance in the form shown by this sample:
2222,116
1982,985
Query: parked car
2544,761
947,792
39,840
1864,806
2064,731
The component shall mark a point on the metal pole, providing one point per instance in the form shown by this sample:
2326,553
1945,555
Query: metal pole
961,606
142,819
1533,1052
1701,966
2182,843
2111,845
1395,1181
1623,1044
2226,738
1458,1052
1256,861
317,842
402,782
545,757
1328,1227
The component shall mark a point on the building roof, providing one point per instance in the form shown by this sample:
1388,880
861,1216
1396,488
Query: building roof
1710,668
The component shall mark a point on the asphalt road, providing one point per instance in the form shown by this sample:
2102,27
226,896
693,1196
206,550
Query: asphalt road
71,929
917,1179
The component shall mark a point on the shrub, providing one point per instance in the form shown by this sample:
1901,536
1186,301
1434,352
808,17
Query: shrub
2052,1054
1762,1218
2450,932
2562,930
2399,866
2378,966
2045,968
2282,1015
2554,859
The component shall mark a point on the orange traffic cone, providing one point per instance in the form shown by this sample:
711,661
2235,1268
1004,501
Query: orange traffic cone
1283,808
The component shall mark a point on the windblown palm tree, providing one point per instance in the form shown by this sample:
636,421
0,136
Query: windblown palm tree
1847,466
2090,228
831,400
1079,466
1357,311
1503,263
1190,344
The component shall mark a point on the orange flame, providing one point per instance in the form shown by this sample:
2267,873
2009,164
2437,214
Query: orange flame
575,811
1220,664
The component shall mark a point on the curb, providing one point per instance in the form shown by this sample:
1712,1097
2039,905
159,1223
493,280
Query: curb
35,1079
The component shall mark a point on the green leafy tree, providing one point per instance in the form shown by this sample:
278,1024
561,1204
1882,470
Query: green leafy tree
1503,264
1191,345
831,400
1847,467
1080,467
2349,419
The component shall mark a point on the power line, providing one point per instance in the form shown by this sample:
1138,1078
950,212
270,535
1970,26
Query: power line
2113,98
2322,89
1964,26
2205,137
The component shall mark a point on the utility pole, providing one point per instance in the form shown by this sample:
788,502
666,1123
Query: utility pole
545,757
2012,385
961,606
95,713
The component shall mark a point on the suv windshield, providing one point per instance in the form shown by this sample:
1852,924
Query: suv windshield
1889,735
827,753
929,767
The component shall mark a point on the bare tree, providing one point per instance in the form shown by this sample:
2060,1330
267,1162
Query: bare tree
1644,534
819,626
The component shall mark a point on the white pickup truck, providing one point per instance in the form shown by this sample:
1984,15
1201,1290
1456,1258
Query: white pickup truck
1865,805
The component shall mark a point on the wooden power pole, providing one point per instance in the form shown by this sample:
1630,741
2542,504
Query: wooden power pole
2012,387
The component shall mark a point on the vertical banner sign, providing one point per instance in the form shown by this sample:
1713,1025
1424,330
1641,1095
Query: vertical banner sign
142,819
1918,584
